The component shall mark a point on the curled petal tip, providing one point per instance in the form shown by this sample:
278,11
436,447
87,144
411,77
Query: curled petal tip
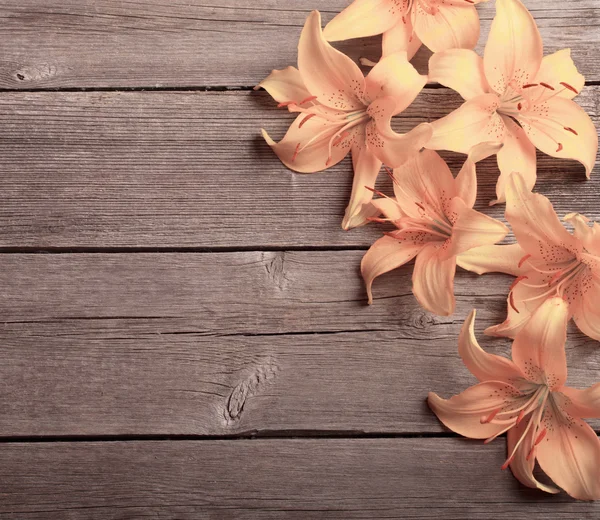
266,137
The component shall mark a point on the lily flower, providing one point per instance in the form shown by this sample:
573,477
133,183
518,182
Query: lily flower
405,24
527,398
436,221
515,96
547,260
341,111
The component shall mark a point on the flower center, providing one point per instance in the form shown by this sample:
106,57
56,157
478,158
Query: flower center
533,404
432,221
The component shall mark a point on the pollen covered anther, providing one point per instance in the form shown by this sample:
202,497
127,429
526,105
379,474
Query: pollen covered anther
545,85
306,119
572,89
560,147
569,129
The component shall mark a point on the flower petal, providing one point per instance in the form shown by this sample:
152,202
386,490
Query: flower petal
484,366
522,468
433,280
463,412
582,403
285,85
570,455
460,70
450,26
556,69
472,228
586,311
328,74
517,155
366,170
514,47
476,121
535,224
362,18
466,180
401,37
493,259
383,256
389,207
524,299
539,347
305,147
391,148
423,179
394,77
560,128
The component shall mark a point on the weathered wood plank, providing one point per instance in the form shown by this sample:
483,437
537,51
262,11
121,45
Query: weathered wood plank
86,43
190,169
271,479
223,344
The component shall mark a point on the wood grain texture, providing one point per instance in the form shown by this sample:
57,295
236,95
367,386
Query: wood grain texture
150,43
231,343
189,169
271,479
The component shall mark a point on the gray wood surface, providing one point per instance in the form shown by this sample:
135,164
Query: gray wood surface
150,43
190,169
230,343
194,294
295,479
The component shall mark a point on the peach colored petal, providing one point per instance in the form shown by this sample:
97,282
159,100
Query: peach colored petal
394,77
536,225
539,347
363,18
589,236
466,180
366,169
389,208
384,255
401,37
514,47
484,366
517,155
582,403
557,69
391,148
460,70
433,280
452,25
423,179
494,259
586,311
305,147
476,121
570,455
327,73
285,85
463,412
527,296
560,128
522,465
471,229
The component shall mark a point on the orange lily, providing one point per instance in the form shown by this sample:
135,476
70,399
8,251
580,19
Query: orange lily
341,111
528,399
439,24
515,96
547,261
436,221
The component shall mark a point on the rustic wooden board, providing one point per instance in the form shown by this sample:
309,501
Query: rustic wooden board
271,479
229,344
152,43
189,169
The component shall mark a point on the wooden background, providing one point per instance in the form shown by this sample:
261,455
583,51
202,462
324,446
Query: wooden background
184,332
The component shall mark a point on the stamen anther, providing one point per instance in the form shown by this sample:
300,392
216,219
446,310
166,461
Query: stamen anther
296,152
520,418
523,260
376,192
529,85
517,280
547,86
566,85
569,129
489,418
541,436
341,137
420,206
286,104
519,106
560,147
306,119
308,99
508,462
511,300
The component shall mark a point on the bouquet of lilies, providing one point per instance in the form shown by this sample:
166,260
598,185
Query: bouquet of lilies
516,100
